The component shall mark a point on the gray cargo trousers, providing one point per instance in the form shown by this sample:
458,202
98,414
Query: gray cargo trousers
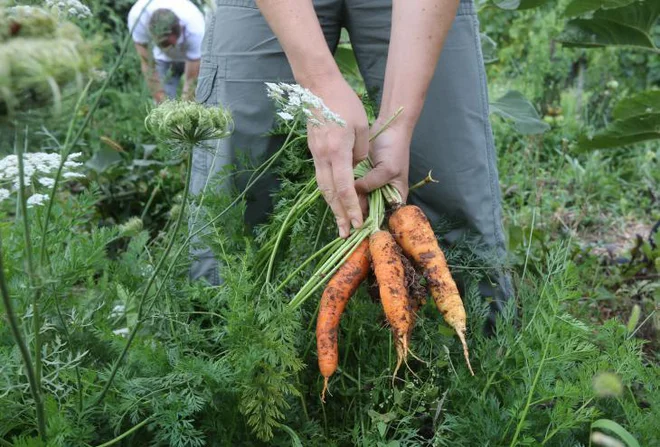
453,136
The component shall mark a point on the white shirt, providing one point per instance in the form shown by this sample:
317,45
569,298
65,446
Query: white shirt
189,45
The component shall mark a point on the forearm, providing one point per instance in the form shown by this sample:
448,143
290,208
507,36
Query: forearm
191,73
149,70
419,29
297,28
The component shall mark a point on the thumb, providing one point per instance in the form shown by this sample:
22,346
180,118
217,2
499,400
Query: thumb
374,179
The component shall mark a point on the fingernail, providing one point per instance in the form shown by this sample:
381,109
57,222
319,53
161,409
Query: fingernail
356,223
342,232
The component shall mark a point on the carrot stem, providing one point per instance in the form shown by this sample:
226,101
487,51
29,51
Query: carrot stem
425,181
328,268
387,124
307,261
308,200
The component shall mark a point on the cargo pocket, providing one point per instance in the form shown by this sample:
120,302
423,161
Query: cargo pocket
205,82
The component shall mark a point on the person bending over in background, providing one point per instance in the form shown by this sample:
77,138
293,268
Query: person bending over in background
175,28
398,44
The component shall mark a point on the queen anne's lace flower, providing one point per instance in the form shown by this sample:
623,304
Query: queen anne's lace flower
46,181
39,168
72,8
188,122
295,101
36,200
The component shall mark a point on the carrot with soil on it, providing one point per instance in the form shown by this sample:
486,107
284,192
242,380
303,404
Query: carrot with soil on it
390,275
338,291
414,234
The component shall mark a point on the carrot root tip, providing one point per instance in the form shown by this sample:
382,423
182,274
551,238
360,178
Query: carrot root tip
466,353
325,388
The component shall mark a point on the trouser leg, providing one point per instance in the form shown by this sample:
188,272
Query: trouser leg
453,137
240,53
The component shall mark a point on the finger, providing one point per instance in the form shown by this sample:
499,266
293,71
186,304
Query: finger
325,184
364,204
380,175
344,186
361,147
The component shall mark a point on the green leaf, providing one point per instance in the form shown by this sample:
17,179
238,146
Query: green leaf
579,7
382,428
295,439
103,159
637,119
530,4
607,424
630,25
507,4
638,104
519,4
514,106
488,49
445,330
623,132
347,63
634,318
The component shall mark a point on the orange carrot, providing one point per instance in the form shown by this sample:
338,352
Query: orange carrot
392,288
339,290
414,234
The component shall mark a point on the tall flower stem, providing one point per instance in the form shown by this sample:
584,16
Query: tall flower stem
65,151
22,347
145,293
36,317
72,139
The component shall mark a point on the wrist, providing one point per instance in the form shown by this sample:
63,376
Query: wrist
400,125
407,118
316,76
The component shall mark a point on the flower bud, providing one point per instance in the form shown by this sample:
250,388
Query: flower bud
188,122
175,211
607,384
131,227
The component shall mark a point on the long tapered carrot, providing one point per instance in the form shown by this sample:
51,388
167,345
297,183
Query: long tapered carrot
414,234
390,275
339,290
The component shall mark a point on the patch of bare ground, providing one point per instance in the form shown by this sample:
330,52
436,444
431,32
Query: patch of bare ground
606,236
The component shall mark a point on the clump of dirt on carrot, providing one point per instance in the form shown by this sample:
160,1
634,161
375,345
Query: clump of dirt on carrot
390,275
338,291
414,234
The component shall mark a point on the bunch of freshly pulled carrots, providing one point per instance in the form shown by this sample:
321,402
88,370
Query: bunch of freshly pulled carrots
410,234
345,264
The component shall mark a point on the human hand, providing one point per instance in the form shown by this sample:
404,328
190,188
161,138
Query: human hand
159,97
336,150
390,155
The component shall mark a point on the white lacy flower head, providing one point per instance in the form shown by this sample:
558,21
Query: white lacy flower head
122,332
36,200
39,169
296,101
72,8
